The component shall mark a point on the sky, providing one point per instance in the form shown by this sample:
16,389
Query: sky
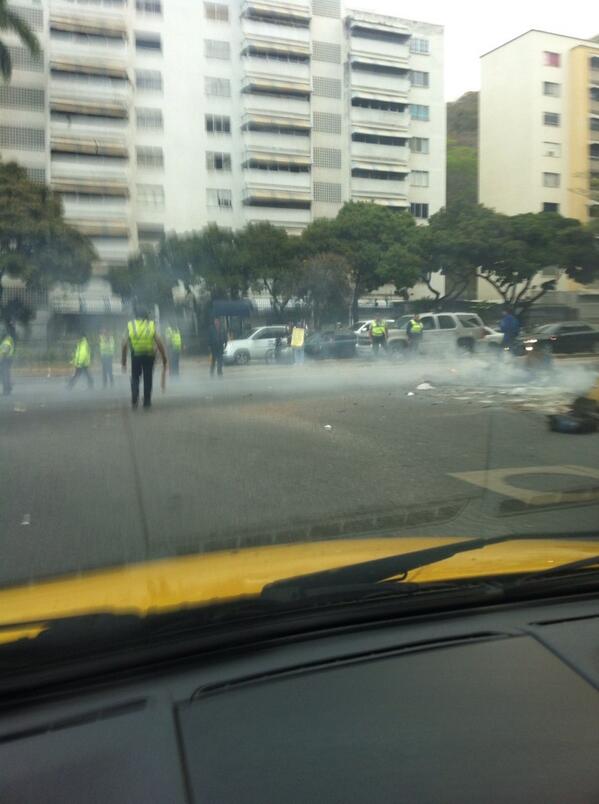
473,28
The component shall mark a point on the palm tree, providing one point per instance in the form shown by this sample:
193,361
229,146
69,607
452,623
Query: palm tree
10,21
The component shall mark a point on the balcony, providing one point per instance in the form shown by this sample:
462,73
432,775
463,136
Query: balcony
279,34
79,104
288,71
284,88
257,45
96,146
264,142
389,193
282,13
291,108
96,186
277,188
594,136
378,121
366,84
88,170
99,228
377,27
390,155
293,220
108,25
390,54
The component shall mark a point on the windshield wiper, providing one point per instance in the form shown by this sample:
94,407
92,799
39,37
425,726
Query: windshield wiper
395,567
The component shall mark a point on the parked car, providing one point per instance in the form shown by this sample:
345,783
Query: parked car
492,338
568,337
442,333
363,327
331,343
258,345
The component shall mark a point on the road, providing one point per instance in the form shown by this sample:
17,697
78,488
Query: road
272,454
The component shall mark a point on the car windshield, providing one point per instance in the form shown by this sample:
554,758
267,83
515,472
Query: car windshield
247,250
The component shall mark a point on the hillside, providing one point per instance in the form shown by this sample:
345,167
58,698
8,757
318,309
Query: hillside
462,150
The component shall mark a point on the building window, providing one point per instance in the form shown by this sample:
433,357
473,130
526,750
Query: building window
218,124
148,41
216,11
150,195
216,160
419,145
379,175
551,119
19,138
148,6
594,123
31,100
552,89
551,179
418,112
217,49
552,149
550,206
150,157
223,199
149,118
551,59
419,211
148,79
327,158
219,87
327,123
418,45
419,178
326,87
419,79
326,51
327,192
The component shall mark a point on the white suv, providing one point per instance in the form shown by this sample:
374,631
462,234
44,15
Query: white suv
442,332
258,345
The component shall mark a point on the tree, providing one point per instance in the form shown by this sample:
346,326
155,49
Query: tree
11,21
36,244
324,286
377,242
268,257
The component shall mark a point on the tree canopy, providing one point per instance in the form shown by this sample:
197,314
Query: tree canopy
10,21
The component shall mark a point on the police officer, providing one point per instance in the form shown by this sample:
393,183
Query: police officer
82,359
378,336
7,350
143,341
106,356
414,330
175,343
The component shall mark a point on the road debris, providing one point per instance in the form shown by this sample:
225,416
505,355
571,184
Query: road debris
26,519
410,393
18,409
328,427
425,386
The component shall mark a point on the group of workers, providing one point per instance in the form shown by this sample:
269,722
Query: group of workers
379,334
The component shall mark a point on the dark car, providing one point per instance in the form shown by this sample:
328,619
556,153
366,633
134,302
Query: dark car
331,343
568,337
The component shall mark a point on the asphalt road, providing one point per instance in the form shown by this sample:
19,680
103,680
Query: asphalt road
272,454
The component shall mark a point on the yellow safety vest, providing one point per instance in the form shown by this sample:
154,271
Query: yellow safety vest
83,356
141,336
378,330
7,347
416,327
175,339
106,346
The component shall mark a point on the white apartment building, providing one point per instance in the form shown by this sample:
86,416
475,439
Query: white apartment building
539,125
152,116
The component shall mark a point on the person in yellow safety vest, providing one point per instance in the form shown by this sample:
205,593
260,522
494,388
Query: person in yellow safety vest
175,344
82,359
414,330
7,351
378,335
106,356
142,340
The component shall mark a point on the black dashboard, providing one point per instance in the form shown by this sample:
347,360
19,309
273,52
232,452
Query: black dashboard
498,704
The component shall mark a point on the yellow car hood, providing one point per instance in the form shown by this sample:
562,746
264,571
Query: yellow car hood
167,584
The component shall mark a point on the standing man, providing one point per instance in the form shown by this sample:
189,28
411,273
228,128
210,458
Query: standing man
218,340
298,338
82,358
143,341
378,336
414,330
106,356
175,345
510,326
7,350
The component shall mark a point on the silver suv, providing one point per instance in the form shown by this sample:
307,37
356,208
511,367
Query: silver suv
259,344
442,333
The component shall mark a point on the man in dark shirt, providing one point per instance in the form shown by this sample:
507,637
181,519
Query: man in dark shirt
217,338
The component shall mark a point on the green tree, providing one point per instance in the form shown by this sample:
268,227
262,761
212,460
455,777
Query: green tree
324,287
268,258
10,21
36,244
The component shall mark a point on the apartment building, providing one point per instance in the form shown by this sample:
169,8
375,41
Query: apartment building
539,125
151,116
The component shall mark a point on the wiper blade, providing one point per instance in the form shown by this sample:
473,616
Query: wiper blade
372,572
560,570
